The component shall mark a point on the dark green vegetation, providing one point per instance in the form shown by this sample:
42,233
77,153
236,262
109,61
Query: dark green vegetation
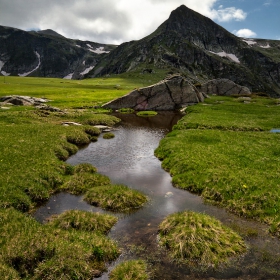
130,270
223,150
83,220
146,113
197,238
115,198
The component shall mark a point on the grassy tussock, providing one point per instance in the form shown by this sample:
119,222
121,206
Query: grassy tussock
92,131
82,182
83,220
130,270
115,198
197,238
108,135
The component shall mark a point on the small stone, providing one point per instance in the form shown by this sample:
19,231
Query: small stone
169,194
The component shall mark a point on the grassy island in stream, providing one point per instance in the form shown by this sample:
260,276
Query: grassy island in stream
198,238
34,144
223,150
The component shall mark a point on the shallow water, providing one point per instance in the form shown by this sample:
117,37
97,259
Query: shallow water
129,159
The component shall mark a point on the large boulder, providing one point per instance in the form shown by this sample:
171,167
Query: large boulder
170,94
223,87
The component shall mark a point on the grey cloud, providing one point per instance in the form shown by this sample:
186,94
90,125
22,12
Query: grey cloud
73,18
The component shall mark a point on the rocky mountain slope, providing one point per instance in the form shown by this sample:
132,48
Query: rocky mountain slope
194,45
186,43
47,54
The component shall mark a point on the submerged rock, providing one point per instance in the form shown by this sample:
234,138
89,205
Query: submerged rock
170,94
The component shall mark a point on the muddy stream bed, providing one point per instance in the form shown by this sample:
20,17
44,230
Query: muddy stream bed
129,159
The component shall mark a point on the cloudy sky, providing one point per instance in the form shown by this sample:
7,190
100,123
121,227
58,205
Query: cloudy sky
118,21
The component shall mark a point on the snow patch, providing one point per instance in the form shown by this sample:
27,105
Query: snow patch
5,73
84,62
2,63
231,56
99,50
266,47
69,76
78,46
39,64
89,46
87,70
250,42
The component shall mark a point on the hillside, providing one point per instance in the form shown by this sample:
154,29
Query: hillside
47,54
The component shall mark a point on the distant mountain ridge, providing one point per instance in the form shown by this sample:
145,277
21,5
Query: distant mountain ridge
194,45
47,54
187,43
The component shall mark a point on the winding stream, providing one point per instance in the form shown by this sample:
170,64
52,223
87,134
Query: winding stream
129,159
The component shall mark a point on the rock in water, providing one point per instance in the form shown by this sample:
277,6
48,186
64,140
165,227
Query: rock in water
170,94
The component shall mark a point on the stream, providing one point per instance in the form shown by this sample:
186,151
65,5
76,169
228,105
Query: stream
129,159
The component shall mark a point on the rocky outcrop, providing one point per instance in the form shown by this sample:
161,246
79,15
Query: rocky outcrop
170,94
223,87
22,100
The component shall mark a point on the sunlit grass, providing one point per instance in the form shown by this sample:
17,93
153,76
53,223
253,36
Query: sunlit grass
78,93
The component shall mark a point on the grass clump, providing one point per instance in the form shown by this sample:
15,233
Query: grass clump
92,131
198,238
108,135
85,168
126,110
83,220
146,113
81,182
130,270
78,138
115,198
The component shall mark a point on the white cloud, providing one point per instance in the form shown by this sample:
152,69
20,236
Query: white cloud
245,33
104,21
267,3
229,14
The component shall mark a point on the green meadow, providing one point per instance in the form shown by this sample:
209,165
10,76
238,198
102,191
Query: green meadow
221,149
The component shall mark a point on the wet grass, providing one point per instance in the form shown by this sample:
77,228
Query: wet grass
194,238
223,150
83,220
118,198
130,270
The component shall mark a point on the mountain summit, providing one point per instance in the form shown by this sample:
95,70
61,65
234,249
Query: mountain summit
194,45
